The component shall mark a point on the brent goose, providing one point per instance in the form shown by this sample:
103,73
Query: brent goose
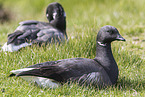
32,31
100,71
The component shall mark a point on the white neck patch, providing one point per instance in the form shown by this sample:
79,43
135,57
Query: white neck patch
47,15
102,44
64,14
54,15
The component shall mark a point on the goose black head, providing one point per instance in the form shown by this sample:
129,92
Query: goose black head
107,34
55,10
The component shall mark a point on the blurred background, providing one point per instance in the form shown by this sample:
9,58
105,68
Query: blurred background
83,16
83,12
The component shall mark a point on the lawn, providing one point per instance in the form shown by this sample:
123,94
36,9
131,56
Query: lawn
84,19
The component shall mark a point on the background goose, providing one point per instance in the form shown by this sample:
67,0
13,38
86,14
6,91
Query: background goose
31,31
100,71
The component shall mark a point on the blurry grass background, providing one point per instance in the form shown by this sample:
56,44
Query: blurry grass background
84,19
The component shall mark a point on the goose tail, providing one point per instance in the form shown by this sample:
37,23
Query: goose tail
11,47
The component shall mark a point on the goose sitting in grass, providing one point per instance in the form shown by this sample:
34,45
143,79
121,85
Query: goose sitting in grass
30,32
100,71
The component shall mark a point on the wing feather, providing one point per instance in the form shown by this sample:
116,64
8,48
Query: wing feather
29,22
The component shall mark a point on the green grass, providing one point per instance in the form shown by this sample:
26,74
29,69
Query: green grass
84,19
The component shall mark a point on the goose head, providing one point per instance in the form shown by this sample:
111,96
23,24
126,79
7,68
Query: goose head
107,34
55,11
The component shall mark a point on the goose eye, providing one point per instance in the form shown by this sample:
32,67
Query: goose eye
111,32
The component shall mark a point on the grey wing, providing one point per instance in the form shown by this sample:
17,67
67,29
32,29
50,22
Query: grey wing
49,63
13,36
30,34
50,35
26,32
27,25
19,37
29,22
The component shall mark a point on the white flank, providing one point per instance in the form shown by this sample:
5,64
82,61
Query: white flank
12,47
21,70
42,82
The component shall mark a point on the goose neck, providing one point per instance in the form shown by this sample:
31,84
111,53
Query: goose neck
59,23
105,58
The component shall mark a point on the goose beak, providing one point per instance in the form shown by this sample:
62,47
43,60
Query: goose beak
120,38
